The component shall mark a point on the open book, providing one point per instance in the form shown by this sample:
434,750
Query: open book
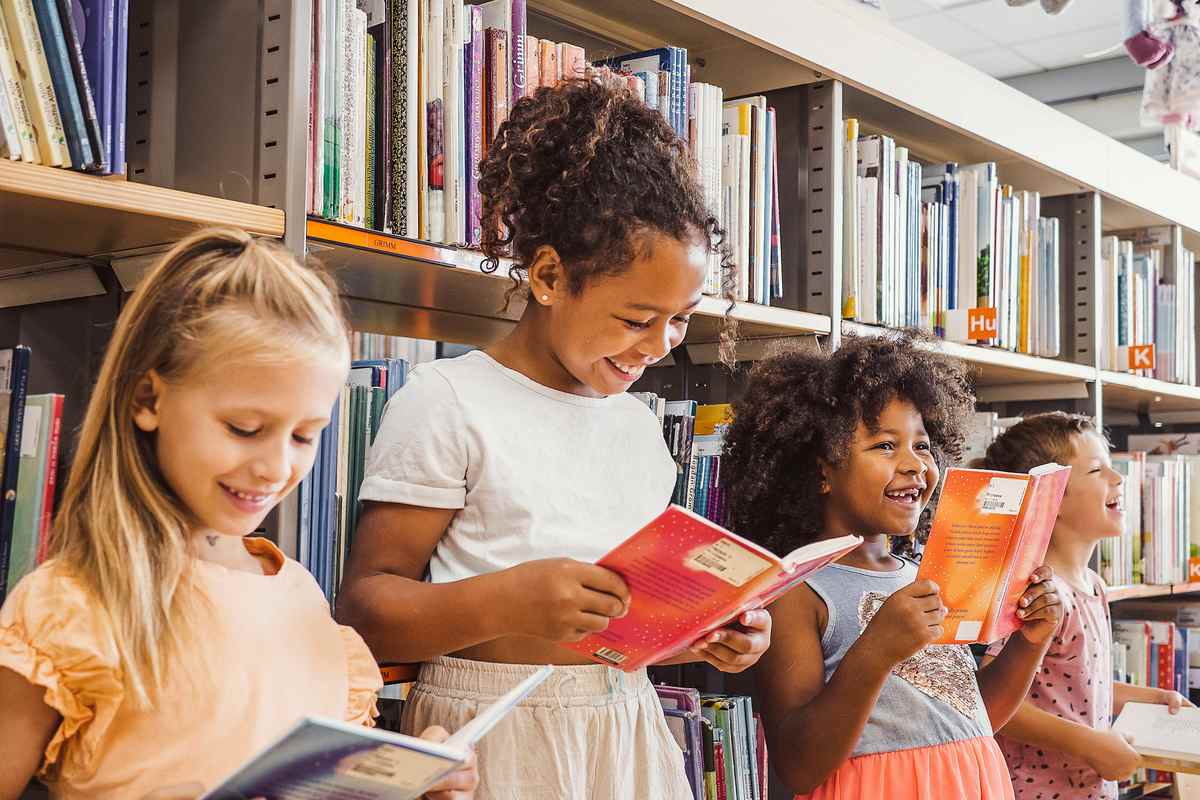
989,534
1166,741
331,759
688,576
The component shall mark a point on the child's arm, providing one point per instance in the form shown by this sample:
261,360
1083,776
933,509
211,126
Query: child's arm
813,726
1128,693
402,618
1004,681
25,728
1107,752
733,648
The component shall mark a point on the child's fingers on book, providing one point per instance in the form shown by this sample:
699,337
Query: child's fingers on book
1044,607
599,579
727,660
597,602
735,640
923,588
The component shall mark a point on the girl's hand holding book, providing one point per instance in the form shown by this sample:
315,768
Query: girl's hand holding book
738,646
1040,607
906,622
1172,700
1110,754
561,599
458,785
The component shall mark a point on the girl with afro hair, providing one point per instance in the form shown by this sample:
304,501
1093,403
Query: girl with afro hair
856,700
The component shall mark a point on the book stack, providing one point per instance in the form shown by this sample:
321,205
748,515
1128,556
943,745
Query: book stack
1161,498
1149,298
723,743
378,346
695,435
63,83
328,495
921,241
30,433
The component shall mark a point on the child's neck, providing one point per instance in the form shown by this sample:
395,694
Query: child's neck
227,551
528,350
1068,555
873,554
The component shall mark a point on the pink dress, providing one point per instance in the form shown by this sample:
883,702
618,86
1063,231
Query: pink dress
1074,683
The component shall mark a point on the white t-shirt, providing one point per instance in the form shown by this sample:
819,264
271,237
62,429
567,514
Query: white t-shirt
537,473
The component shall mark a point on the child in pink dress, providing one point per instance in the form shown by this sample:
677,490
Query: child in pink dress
1059,743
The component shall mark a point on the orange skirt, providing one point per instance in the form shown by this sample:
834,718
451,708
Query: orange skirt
969,769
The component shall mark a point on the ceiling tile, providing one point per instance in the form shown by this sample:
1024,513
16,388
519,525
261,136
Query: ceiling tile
903,9
999,62
1005,24
1070,48
945,33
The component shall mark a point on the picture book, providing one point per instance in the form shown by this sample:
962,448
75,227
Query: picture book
688,576
328,758
989,534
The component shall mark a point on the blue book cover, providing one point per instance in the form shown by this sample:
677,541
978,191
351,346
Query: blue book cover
14,384
121,54
99,43
74,23
58,59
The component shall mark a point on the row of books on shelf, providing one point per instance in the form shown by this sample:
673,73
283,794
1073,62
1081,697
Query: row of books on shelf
921,242
405,106
1161,498
1149,294
723,743
63,83
30,431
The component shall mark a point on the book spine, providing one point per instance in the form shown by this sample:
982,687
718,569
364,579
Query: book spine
549,63
10,145
120,95
383,110
98,43
398,119
12,459
475,125
30,58
58,59
719,763
83,87
368,201
10,84
313,167
533,65
497,58
51,483
516,34
329,124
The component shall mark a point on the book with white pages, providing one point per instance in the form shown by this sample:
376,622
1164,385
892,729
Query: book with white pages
1165,741
328,758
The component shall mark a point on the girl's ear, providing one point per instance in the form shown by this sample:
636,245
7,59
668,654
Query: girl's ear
547,276
146,397
826,471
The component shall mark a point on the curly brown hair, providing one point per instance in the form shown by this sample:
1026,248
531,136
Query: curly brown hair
1038,439
588,168
801,408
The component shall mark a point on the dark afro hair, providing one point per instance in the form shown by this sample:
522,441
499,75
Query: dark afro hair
801,408
586,167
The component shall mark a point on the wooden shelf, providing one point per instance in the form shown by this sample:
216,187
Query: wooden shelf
1126,392
410,288
1136,591
52,214
937,106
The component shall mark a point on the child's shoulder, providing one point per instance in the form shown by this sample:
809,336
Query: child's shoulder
52,610
52,585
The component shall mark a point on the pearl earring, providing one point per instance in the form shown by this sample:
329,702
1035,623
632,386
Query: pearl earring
545,298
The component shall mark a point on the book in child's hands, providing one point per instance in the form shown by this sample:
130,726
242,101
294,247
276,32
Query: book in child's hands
1165,741
688,576
989,534
328,758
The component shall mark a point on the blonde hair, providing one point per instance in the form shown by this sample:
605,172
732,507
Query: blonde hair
218,295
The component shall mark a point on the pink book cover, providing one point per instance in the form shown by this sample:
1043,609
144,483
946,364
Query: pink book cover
533,64
549,63
475,122
517,52
572,61
688,576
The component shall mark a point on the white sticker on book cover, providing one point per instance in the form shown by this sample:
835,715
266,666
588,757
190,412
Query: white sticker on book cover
728,561
1002,496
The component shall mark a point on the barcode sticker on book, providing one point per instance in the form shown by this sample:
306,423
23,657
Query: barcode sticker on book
610,655
728,561
1003,496
394,766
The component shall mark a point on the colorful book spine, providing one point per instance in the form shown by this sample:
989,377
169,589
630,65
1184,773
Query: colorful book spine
14,379
120,95
51,487
333,20
519,69
474,63
495,74
30,58
58,60
99,47
369,156
533,65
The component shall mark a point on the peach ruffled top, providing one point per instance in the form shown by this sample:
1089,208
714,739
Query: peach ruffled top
268,653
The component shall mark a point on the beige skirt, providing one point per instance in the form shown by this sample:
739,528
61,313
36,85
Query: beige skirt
587,733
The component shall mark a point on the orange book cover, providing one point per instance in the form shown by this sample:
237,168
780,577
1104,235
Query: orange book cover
688,576
549,68
990,532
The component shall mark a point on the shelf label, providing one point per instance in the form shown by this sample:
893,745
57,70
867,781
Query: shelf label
971,324
1139,356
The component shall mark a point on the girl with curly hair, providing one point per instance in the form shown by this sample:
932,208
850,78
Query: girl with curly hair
502,475
1061,736
856,701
